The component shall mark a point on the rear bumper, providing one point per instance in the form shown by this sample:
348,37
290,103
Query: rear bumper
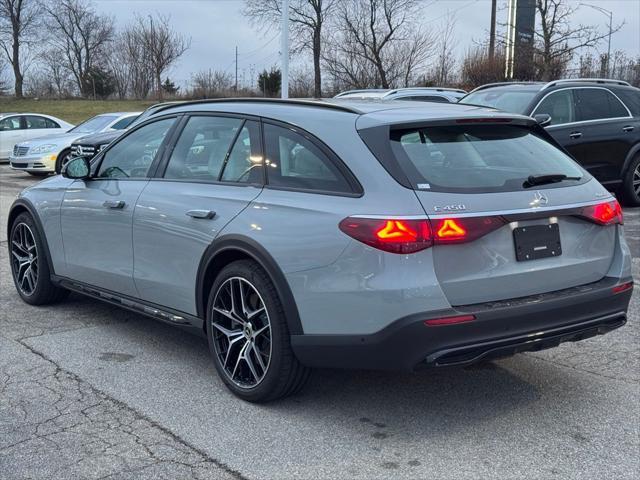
499,329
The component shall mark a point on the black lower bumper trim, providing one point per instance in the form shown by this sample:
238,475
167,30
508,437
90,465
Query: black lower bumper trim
499,329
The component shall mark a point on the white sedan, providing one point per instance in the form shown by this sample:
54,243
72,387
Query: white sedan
19,127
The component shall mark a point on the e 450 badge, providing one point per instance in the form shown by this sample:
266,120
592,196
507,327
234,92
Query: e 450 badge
450,208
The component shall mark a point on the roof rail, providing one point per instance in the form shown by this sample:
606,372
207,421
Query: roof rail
361,90
499,84
429,89
588,80
297,102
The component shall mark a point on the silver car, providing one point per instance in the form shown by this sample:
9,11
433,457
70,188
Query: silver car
416,94
300,234
49,154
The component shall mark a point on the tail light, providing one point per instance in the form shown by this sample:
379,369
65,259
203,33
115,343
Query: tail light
409,236
608,213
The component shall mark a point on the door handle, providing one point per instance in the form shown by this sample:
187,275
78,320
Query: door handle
628,128
206,214
575,135
113,204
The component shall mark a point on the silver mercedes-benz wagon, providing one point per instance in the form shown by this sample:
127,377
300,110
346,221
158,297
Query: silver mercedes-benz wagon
300,234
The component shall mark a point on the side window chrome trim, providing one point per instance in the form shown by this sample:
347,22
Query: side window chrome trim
533,112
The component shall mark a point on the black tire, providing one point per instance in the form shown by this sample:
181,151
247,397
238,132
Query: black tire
44,291
631,192
283,375
39,174
62,159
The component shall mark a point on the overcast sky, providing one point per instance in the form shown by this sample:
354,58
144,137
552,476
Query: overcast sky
216,27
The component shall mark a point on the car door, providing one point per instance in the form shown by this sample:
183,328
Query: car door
560,106
97,214
602,123
38,126
212,173
10,134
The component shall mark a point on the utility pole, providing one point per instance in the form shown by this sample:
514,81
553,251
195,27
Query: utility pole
236,86
284,49
492,34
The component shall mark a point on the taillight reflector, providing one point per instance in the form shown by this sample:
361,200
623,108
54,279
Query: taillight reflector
623,287
449,320
390,235
607,213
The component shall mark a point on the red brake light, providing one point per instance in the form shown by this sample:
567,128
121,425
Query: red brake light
623,287
390,235
608,213
449,228
464,229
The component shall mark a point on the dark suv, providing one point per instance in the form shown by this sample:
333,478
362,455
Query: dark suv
596,120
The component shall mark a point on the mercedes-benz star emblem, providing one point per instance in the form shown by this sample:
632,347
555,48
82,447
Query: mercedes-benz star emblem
539,199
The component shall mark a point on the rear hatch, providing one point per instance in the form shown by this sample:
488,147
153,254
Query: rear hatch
511,214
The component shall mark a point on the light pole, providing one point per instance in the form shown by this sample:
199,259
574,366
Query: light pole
609,13
284,46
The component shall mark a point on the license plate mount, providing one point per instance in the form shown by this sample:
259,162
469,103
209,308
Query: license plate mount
537,241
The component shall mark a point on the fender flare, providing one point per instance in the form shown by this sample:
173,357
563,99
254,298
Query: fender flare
635,150
249,247
24,204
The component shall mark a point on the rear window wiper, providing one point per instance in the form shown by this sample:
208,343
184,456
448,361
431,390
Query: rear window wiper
534,180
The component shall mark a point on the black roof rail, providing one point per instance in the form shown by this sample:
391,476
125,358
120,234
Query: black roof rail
587,80
283,101
500,84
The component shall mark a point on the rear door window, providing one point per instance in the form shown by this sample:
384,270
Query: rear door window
293,161
477,158
598,103
559,106
37,122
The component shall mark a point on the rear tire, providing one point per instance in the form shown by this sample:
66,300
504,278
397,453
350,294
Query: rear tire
631,184
62,160
248,335
30,265
39,174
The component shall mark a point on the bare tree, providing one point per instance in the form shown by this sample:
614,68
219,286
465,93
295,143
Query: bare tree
307,18
136,61
19,22
446,43
82,35
53,62
479,68
557,37
210,84
379,39
163,46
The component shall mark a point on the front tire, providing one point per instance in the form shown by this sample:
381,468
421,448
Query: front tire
631,184
62,160
38,174
29,264
248,335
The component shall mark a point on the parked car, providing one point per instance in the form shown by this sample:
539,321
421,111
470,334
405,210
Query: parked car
419,94
92,144
18,127
46,155
299,234
596,120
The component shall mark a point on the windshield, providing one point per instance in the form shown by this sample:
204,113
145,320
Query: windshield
514,101
94,124
477,158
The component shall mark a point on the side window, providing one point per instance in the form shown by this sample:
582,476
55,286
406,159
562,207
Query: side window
11,123
123,123
134,154
295,162
598,103
34,122
559,106
244,163
202,147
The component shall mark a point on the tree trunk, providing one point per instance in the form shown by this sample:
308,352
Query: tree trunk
15,61
159,85
317,88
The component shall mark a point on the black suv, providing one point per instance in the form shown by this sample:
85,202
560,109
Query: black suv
91,145
595,120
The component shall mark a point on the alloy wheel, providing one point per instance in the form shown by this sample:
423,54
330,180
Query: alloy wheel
241,332
636,180
65,160
24,259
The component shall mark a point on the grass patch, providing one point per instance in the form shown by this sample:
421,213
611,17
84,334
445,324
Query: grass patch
73,111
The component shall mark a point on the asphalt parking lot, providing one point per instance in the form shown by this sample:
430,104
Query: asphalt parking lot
88,390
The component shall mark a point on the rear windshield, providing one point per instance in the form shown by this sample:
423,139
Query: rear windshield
513,101
477,158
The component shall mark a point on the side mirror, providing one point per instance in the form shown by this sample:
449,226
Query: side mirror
78,169
543,119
